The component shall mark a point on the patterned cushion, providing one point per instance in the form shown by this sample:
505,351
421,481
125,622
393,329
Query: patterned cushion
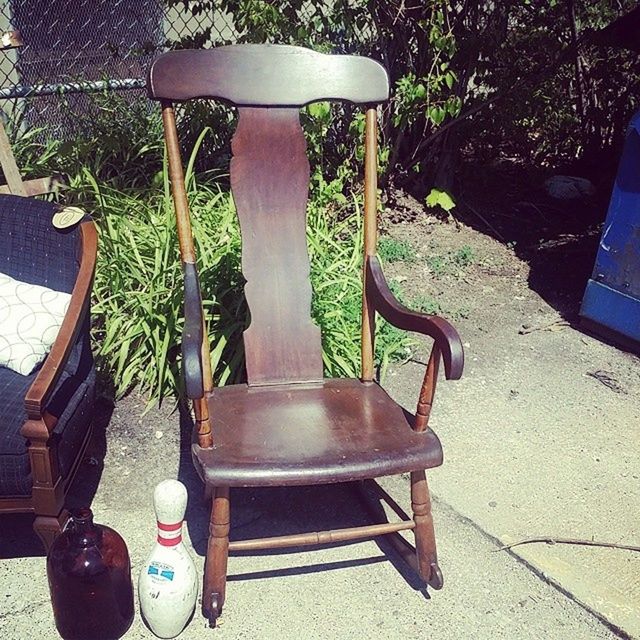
71,403
32,249
30,318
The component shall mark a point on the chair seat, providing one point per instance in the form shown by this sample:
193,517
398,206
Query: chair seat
71,402
334,431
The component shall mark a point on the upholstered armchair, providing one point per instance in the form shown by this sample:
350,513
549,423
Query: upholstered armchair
46,414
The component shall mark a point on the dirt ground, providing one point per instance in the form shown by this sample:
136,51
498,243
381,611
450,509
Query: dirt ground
541,434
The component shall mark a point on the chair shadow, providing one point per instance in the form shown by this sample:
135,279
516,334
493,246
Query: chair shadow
259,512
17,538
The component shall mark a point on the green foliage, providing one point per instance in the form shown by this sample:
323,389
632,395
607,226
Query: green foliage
465,256
439,198
448,59
335,249
35,154
138,289
417,45
426,304
393,250
556,104
117,140
452,262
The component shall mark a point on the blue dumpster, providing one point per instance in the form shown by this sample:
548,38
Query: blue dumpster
611,302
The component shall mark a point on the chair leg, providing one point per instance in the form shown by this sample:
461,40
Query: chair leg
424,533
49,527
215,570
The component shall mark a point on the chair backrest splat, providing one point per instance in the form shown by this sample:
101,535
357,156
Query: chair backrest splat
270,180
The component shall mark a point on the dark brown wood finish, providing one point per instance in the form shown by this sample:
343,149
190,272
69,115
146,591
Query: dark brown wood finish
426,553
49,487
288,426
198,371
322,537
267,76
270,183
428,390
215,571
335,431
44,383
439,329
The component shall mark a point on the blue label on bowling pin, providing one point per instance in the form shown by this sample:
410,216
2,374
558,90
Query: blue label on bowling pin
162,570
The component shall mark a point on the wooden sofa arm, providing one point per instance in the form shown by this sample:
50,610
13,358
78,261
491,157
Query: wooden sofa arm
192,333
443,333
40,391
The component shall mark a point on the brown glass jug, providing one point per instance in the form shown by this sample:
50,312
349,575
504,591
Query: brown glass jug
90,581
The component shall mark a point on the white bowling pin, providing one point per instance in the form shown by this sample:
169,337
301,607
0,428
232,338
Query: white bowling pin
168,584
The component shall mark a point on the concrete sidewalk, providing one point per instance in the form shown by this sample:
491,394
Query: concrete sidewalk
541,439
349,591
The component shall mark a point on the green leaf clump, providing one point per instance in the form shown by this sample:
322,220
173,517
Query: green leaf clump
439,198
138,289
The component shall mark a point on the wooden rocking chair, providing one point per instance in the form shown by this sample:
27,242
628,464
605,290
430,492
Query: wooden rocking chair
288,425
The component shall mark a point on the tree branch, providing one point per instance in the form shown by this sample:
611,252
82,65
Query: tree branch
588,543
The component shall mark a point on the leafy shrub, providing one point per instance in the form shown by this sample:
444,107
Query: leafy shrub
139,290
118,139
335,249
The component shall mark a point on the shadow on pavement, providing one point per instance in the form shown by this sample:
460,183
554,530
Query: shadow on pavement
558,239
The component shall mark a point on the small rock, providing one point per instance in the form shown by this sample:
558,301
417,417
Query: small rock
569,187
493,503
159,435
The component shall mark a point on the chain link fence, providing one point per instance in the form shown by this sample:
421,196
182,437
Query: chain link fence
73,49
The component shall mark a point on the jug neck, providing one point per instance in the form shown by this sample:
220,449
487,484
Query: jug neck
84,532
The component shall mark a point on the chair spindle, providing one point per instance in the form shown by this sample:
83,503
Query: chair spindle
370,238
188,256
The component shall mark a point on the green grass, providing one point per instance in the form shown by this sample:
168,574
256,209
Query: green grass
335,250
452,262
425,304
393,250
138,291
138,288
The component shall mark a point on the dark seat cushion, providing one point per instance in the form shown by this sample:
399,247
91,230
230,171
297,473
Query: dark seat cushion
334,431
71,403
33,251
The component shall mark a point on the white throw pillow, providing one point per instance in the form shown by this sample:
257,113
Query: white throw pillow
30,318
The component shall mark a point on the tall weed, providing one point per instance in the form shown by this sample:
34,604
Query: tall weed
139,290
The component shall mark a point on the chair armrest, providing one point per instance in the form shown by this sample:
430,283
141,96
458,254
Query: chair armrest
192,333
37,396
444,334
